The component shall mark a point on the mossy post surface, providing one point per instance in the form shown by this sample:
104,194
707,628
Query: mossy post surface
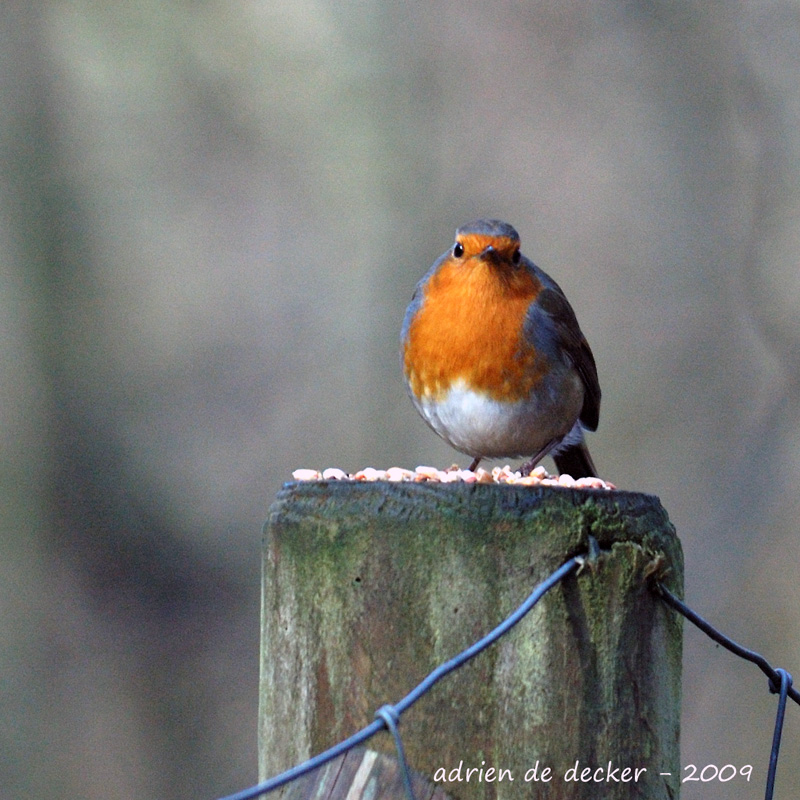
370,586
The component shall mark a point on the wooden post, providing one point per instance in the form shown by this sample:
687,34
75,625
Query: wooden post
370,586
360,774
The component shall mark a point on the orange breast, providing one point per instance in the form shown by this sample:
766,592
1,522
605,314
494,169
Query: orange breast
470,327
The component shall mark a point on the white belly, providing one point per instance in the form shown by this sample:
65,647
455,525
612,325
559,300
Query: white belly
478,425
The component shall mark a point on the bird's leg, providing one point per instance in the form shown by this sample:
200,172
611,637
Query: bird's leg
528,466
474,465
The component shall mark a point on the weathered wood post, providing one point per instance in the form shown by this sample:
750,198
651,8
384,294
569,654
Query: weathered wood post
370,586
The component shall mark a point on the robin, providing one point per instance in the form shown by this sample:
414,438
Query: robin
493,356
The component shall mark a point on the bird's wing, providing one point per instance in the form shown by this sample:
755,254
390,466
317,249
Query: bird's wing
551,325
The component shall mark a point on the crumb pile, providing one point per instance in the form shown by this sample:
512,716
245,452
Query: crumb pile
539,476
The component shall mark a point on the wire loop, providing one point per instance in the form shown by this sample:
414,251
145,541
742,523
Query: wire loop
779,680
391,718
783,692
388,716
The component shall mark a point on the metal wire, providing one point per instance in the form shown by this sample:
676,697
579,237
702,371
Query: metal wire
415,694
780,681
786,682
307,766
728,644
388,716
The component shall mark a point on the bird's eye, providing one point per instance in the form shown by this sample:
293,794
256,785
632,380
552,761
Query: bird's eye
458,249
516,257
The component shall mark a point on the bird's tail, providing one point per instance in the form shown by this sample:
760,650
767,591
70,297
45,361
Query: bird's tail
575,460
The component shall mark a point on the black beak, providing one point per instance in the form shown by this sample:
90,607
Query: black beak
490,254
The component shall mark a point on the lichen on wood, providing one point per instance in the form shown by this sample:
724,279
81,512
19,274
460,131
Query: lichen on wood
370,586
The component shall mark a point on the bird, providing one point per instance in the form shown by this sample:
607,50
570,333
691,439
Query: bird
494,359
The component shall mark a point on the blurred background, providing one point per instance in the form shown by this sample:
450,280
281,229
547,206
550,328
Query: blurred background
212,216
